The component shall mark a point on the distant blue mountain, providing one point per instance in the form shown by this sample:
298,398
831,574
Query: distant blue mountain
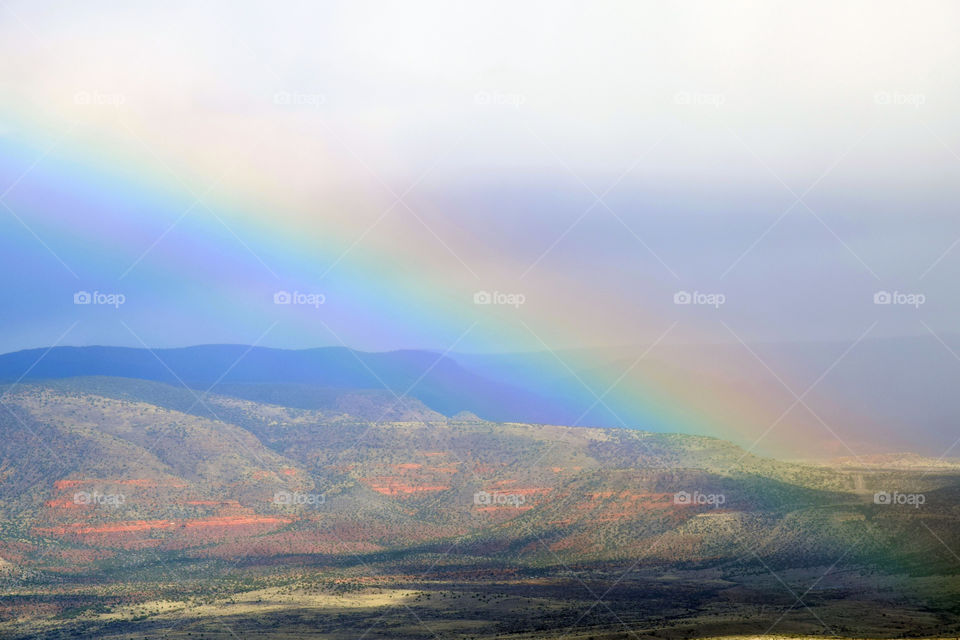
889,393
438,381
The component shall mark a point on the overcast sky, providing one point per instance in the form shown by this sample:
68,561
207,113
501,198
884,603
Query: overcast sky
594,157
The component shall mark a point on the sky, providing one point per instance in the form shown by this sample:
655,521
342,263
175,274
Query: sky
595,158
477,177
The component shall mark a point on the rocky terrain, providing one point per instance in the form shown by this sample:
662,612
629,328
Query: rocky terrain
137,509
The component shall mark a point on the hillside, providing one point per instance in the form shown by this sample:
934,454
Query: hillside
441,383
107,481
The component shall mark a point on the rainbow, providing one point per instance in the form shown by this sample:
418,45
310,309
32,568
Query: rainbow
104,193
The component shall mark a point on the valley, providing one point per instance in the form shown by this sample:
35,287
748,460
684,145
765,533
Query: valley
135,509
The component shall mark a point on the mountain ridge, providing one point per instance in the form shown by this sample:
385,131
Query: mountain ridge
106,482
440,382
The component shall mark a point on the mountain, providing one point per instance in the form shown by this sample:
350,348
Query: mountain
866,407
867,391
438,381
107,482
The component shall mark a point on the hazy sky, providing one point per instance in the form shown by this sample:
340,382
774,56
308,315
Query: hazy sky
596,158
